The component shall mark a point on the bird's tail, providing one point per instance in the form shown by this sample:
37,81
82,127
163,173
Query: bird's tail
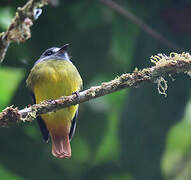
61,146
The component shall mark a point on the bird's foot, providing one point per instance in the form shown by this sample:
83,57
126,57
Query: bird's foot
76,93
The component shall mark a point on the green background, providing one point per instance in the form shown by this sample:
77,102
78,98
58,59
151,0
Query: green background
134,134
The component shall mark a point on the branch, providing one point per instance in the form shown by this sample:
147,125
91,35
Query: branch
164,65
130,16
19,29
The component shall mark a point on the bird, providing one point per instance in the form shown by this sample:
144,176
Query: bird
52,76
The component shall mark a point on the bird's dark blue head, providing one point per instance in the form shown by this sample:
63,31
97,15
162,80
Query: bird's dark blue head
54,53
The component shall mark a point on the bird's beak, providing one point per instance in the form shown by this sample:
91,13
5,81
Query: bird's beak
63,49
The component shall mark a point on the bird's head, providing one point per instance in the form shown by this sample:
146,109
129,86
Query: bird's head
54,53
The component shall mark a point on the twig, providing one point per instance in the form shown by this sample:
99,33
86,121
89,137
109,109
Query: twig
164,65
19,29
130,16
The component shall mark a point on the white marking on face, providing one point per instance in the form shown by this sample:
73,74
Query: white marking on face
56,49
66,55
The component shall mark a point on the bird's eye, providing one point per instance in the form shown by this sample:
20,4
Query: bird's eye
48,53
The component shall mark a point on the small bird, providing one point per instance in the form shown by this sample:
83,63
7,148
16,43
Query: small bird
52,76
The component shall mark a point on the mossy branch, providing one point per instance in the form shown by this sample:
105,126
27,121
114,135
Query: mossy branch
164,65
19,29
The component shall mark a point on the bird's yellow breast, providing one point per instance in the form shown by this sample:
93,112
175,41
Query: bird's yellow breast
52,79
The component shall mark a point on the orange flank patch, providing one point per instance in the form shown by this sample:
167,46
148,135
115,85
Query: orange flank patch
60,120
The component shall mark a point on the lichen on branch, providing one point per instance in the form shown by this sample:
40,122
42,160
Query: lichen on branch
19,29
164,65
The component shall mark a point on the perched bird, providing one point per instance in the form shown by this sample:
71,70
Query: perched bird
53,76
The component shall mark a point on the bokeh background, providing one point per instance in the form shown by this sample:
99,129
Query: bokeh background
134,134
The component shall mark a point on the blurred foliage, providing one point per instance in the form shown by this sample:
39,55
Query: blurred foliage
6,15
134,134
176,161
8,175
10,79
